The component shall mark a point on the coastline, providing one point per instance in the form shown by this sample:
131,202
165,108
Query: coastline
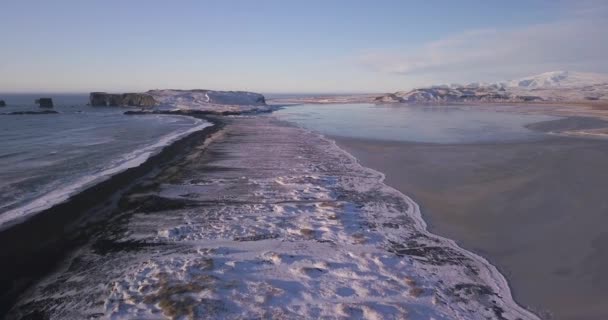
231,201
133,158
43,240
464,194
423,225
120,197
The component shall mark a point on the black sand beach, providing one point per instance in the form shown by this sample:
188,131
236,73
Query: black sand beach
35,247
538,210
262,220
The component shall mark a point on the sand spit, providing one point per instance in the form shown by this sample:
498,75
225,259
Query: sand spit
268,220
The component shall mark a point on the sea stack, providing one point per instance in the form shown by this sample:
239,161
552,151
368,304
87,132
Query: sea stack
45,102
102,99
2,103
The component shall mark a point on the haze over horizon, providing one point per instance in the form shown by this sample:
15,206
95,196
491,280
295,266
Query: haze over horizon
278,47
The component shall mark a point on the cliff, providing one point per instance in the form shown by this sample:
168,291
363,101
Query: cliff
45,102
209,97
220,102
125,99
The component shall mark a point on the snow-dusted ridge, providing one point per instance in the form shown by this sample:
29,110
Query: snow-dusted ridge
562,79
209,100
556,86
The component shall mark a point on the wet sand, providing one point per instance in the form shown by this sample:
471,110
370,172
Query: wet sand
538,210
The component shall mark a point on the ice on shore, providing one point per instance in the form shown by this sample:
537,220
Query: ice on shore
279,223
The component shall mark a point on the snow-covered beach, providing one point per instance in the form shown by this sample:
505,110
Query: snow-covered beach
257,217
265,219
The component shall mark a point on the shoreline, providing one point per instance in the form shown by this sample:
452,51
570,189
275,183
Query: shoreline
41,241
331,225
451,188
423,218
113,200
425,227
133,158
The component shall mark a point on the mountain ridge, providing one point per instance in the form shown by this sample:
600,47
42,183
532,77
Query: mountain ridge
559,79
553,86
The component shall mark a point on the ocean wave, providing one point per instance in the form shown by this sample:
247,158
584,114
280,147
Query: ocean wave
124,162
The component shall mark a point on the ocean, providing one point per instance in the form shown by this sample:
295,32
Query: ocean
46,158
429,124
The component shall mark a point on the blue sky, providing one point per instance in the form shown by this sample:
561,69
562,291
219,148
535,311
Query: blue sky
292,46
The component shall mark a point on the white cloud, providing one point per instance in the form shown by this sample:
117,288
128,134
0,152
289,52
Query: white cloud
579,42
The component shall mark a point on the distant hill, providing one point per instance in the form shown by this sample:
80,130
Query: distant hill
548,86
559,79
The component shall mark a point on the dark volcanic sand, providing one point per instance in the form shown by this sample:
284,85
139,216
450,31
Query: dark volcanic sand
37,246
538,210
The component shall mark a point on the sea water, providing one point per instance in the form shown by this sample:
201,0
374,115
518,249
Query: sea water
48,157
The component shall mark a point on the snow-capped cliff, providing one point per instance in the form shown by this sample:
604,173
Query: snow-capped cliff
210,100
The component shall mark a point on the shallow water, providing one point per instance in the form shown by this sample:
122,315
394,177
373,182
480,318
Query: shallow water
44,158
433,124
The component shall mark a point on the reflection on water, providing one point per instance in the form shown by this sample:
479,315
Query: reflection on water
435,124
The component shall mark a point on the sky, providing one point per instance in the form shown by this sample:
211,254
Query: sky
274,46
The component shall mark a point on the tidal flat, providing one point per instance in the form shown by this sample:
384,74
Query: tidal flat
536,209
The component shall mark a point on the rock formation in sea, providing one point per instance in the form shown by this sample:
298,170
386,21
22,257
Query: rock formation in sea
125,99
2,103
45,102
18,113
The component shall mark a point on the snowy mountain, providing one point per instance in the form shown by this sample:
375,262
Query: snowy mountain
559,79
548,86
456,94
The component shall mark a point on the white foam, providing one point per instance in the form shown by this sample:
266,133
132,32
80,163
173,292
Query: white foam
126,161
319,256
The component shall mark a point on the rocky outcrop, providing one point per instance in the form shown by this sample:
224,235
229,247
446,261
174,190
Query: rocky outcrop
210,101
44,102
208,97
98,99
2,103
